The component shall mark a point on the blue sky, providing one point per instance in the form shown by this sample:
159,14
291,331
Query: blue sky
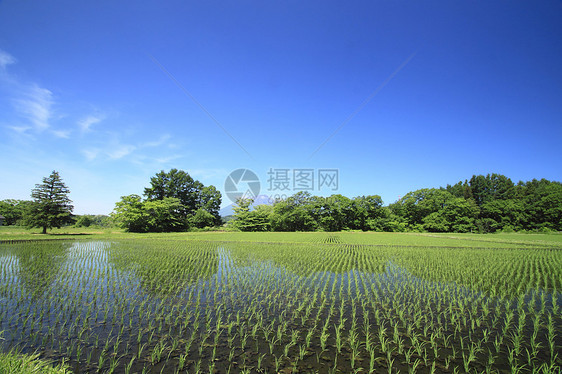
418,93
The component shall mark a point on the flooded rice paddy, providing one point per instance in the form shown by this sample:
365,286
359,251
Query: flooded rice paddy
157,306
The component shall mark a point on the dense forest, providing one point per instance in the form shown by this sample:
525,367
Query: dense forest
482,204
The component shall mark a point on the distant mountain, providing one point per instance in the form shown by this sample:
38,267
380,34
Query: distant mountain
259,200
262,200
227,210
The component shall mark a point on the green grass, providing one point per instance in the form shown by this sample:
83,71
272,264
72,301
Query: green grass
552,239
22,233
15,363
499,240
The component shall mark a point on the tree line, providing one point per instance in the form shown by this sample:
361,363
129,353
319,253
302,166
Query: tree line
482,204
175,201
16,212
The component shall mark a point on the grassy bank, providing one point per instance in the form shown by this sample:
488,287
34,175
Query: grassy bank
14,363
499,240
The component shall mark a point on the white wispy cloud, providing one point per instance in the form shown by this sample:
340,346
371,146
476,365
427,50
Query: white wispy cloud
35,105
121,150
90,153
166,160
31,103
64,134
112,150
85,124
117,146
6,59
19,129
156,143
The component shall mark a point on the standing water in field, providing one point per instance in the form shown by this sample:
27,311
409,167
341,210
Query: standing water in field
211,307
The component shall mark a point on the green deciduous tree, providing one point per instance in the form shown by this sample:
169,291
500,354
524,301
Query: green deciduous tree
246,219
165,215
202,218
368,213
503,214
543,204
335,213
437,210
192,194
51,205
491,187
210,201
299,212
13,210
129,214
177,184
174,201
455,215
417,205
84,221
88,220
135,215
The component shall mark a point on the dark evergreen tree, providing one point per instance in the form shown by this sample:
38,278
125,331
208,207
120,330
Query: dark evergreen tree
51,205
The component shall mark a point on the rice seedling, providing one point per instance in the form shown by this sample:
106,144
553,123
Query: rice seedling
167,305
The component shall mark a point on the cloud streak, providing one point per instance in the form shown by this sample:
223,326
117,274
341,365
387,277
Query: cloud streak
86,123
163,139
31,103
63,134
90,153
6,59
34,112
114,149
121,150
35,105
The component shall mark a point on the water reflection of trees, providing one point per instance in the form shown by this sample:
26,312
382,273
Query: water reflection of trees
503,272
165,268
38,264
307,259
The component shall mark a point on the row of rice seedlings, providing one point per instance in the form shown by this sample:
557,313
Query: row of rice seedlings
193,307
